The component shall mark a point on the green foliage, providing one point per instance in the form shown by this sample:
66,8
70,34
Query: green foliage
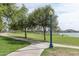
1,25
20,18
40,17
7,11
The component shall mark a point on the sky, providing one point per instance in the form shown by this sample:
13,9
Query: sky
68,13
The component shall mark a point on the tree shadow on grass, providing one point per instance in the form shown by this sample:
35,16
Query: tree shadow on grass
13,41
32,40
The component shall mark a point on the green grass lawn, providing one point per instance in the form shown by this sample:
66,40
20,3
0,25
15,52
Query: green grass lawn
8,45
60,51
56,38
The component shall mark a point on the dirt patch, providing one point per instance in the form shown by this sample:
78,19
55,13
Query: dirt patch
61,52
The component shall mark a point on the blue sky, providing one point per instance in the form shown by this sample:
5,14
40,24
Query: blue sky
68,14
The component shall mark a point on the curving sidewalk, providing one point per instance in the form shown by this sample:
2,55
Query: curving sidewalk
35,49
32,50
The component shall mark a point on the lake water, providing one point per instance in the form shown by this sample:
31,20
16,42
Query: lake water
71,34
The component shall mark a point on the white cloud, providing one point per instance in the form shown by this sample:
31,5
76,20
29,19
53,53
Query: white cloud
69,20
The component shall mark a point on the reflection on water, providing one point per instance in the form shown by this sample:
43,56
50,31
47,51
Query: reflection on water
71,34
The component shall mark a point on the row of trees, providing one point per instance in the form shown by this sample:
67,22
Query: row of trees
18,18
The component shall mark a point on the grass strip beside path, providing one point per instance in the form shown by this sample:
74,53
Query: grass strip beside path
8,45
56,38
60,51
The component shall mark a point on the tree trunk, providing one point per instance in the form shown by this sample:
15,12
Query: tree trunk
44,30
25,33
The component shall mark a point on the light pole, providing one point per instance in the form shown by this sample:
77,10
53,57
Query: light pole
50,18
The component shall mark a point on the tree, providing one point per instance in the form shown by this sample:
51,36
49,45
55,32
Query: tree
40,17
1,14
7,11
32,21
21,17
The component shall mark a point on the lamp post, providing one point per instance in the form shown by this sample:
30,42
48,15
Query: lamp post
50,18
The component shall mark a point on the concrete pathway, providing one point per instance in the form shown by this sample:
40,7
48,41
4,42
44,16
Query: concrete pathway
32,50
35,49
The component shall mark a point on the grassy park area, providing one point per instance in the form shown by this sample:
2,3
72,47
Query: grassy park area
8,45
24,21
56,38
60,51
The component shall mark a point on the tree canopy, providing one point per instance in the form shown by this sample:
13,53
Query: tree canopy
40,17
18,18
